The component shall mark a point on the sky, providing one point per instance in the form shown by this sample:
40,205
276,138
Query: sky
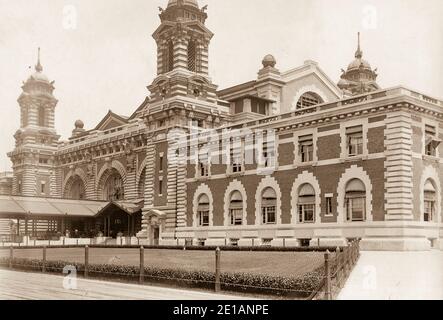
102,56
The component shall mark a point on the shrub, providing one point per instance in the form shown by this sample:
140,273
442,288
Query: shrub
301,286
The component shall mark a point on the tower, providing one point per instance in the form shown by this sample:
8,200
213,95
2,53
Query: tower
359,78
182,53
36,140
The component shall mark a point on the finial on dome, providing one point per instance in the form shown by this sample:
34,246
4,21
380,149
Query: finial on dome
38,66
359,53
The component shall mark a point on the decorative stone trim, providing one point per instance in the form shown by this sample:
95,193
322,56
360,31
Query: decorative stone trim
235,186
267,182
354,172
201,190
305,178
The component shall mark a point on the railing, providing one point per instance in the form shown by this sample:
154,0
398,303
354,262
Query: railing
338,267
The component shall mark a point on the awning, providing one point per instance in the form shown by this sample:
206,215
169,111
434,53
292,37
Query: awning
128,206
17,207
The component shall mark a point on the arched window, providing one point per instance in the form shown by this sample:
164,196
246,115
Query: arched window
77,190
203,211
236,209
309,99
430,201
141,185
306,204
269,206
113,188
355,201
41,117
192,56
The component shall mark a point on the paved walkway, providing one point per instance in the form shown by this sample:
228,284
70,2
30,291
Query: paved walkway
37,286
396,276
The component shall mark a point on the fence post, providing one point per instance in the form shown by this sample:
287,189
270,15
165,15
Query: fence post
217,270
86,261
338,267
328,295
44,260
142,265
11,256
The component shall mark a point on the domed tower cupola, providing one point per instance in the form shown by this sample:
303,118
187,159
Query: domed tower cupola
182,38
359,78
182,52
38,83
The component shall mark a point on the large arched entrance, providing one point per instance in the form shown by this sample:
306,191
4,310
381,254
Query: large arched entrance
111,187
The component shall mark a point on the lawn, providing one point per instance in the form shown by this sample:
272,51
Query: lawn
273,263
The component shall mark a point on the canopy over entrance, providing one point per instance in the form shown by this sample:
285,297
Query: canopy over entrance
120,218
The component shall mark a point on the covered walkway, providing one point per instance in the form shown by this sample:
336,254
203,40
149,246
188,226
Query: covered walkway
50,218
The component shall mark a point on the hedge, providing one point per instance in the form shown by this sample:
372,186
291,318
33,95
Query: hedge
300,287
191,248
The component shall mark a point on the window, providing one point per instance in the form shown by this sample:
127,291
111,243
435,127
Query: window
43,187
161,123
20,187
355,201
429,201
268,154
306,148
169,59
160,186
203,165
113,188
236,209
309,99
236,157
354,137
431,142
160,163
192,56
41,116
329,209
43,161
203,211
306,204
197,123
269,206
77,190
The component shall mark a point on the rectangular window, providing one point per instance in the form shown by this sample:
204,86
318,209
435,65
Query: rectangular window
236,217
19,187
43,187
203,217
268,155
430,143
306,148
356,209
203,165
236,158
160,164
160,186
329,210
429,211
268,215
354,138
306,213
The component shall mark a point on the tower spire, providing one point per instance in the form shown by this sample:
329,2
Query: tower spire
359,53
38,66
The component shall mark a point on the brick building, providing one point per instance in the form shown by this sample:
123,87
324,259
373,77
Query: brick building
304,161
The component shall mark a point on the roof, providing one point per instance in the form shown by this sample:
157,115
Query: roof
128,206
20,207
